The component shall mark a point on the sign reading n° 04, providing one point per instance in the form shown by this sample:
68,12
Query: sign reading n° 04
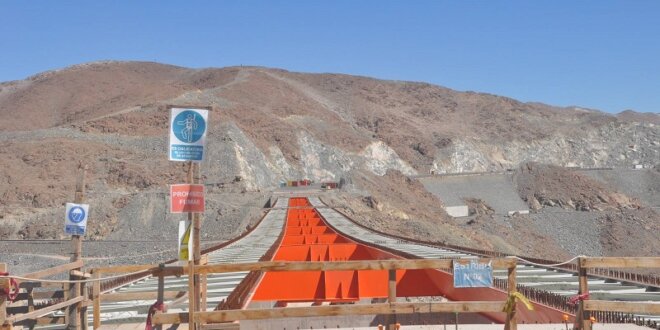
188,134
473,274
75,219
187,198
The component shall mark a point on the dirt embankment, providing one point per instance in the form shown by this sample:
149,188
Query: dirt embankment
630,233
619,225
401,206
548,185
397,205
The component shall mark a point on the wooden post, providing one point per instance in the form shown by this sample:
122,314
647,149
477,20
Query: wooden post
511,323
191,277
391,297
195,221
582,319
30,302
197,226
83,307
73,311
194,292
161,291
203,286
191,294
4,283
96,295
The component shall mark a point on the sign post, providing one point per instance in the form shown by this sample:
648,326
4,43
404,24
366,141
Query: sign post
75,224
188,127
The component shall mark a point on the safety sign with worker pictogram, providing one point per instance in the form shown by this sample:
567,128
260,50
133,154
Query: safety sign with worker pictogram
75,219
188,134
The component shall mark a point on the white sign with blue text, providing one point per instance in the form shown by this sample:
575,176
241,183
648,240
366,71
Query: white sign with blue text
188,134
473,274
75,219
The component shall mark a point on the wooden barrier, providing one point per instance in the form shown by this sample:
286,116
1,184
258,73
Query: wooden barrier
641,279
586,306
27,313
336,310
4,284
213,316
622,307
392,307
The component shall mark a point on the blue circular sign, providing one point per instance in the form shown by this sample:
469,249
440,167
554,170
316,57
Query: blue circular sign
188,126
76,214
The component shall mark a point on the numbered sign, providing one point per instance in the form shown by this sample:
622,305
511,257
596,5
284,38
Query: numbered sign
473,274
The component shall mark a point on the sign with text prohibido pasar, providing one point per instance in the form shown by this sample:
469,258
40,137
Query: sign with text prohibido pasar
187,198
188,134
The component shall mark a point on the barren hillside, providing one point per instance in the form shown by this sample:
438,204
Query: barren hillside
270,125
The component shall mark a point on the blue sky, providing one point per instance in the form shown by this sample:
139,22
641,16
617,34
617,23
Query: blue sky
595,54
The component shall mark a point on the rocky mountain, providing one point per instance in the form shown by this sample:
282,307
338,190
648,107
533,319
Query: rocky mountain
267,126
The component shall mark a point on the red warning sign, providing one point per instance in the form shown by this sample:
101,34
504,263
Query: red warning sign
187,198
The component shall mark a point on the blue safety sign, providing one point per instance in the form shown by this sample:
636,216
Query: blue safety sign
472,274
188,134
75,220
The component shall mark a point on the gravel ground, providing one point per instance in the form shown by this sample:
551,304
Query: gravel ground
497,190
139,242
28,256
576,232
642,184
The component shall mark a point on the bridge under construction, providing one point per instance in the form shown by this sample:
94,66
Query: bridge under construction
308,265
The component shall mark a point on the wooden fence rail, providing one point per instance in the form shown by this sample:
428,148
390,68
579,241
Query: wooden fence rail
392,307
583,319
29,313
336,310
59,297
